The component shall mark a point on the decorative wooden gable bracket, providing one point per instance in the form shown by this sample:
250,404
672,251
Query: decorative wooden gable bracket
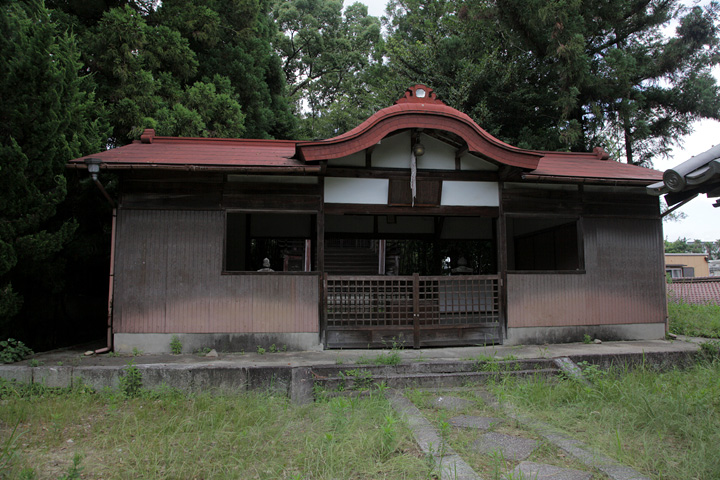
419,110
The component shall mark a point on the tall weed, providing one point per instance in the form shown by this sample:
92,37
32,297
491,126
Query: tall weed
664,424
694,320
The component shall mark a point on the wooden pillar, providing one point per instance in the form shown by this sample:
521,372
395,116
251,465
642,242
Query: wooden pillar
320,227
502,260
322,278
416,310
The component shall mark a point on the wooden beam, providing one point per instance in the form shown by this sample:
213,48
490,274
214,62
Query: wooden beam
458,156
382,209
361,172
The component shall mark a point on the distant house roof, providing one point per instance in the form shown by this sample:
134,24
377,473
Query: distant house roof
699,174
419,109
699,290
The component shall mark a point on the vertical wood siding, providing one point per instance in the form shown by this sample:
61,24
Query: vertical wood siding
624,281
168,280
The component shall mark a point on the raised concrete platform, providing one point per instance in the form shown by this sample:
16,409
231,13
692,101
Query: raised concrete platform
276,371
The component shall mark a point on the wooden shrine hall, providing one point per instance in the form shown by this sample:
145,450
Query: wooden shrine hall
417,228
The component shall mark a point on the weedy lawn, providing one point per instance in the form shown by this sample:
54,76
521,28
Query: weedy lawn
694,320
666,425
173,435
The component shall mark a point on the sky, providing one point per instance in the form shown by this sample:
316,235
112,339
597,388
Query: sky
703,220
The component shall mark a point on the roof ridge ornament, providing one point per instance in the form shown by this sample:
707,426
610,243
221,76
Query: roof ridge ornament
420,94
147,135
601,154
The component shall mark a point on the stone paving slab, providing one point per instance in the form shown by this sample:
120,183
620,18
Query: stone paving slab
468,421
541,471
510,446
452,403
451,465
569,445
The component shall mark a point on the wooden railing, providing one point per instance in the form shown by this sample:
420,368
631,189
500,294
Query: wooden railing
413,303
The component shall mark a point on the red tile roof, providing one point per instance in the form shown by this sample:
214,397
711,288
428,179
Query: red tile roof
155,151
591,166
700,290
418,109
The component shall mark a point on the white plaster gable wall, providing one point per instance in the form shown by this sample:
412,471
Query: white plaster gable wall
394,152
470,194
438,155
356,190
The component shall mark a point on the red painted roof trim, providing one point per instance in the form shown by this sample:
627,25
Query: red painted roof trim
427,112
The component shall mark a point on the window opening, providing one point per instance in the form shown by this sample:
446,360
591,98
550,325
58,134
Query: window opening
284,239
544,244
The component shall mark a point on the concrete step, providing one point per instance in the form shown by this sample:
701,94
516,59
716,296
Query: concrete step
361,381
425,375
447,366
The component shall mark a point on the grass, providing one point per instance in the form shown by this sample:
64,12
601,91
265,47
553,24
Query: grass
666,425
173,435
488,466
385,358
694,320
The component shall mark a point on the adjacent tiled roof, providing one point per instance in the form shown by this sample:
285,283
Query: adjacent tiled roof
153,151
591,166
698,290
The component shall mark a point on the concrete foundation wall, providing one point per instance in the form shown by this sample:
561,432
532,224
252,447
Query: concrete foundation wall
222,342
542,335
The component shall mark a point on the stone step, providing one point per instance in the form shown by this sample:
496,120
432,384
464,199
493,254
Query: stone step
363,379
447,366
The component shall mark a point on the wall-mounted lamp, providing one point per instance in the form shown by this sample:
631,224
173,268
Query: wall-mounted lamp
93,166
418,149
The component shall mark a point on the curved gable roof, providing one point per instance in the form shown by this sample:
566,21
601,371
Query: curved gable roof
420,109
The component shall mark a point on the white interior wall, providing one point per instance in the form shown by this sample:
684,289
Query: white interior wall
356,190
470,194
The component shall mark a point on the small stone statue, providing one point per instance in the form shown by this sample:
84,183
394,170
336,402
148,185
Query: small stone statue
462,268
266,266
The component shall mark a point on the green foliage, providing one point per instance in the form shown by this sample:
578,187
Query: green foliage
655,422
328,57
46,118
175,345
709,351
260,350
75,470
233,39
694,320
131,381
12,351
683,245
367,438
564,75
361,379
587,339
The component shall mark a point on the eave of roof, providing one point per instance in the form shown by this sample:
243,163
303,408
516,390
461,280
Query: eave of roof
410,112
590,168
200,154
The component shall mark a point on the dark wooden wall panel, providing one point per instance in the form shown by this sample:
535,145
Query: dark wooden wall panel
624,283
168,280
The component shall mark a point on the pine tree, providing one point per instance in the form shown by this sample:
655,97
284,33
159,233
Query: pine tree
46,119
568,74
